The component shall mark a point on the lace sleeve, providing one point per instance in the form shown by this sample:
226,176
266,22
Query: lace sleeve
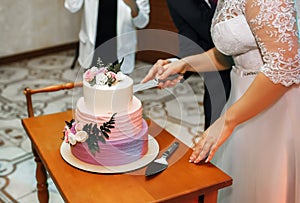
274,25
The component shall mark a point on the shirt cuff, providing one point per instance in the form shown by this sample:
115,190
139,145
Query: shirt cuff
141,20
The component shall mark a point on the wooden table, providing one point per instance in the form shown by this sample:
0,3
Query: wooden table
180,182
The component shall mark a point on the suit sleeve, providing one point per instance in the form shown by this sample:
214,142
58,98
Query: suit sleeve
193,20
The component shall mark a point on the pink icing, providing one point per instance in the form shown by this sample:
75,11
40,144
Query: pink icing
115,152
128,140
126,123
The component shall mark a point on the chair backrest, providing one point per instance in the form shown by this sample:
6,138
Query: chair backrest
53,88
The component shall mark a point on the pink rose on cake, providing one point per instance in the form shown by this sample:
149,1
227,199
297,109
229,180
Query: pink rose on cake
89,76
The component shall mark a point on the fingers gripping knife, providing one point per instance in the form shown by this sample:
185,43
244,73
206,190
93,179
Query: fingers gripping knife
161,164
152,83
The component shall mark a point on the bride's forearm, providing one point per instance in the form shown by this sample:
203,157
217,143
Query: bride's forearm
260,95
211,60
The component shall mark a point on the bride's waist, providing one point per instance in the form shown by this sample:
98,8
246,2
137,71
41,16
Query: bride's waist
244,72
250,61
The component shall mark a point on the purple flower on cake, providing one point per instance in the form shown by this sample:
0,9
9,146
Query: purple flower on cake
102,70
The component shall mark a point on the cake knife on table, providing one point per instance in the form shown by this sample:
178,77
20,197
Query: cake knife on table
152,83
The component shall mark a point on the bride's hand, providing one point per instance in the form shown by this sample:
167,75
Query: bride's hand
156,70
211,140
162,69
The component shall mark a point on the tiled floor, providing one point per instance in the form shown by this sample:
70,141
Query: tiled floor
179,110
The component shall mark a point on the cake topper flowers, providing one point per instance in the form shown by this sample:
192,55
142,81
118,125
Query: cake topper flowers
104,74
90,133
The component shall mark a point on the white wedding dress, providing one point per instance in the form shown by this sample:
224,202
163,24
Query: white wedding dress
263,154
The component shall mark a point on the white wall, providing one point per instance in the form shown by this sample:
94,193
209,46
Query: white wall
27,25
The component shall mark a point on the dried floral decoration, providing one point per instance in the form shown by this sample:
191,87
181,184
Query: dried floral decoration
104,74
89,133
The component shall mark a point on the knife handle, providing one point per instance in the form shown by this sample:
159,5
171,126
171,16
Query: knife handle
170,150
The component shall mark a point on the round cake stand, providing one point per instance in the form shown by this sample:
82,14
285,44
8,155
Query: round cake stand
153,150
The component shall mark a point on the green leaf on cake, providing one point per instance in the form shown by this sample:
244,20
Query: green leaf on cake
110,81
116,66
93,82
102,139
98,134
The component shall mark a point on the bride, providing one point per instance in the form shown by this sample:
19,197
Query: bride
257,138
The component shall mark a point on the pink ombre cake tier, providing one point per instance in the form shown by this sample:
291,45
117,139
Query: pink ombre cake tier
115,152
127,123
128,140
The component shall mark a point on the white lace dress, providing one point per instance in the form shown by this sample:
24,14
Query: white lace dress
263,154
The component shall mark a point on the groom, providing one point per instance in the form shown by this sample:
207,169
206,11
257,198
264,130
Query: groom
193,20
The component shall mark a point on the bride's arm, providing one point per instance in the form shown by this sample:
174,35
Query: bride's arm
211,60
278,42
260,95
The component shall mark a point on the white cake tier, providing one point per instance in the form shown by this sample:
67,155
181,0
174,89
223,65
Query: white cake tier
102,99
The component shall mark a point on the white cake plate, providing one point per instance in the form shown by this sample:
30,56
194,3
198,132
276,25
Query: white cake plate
153,150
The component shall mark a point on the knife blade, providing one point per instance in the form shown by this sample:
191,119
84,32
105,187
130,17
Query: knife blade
161,164
152,83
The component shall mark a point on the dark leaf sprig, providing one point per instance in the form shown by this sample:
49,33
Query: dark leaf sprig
116,66
98,134
69,124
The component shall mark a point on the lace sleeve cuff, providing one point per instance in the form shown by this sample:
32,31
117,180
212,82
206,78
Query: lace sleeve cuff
281,74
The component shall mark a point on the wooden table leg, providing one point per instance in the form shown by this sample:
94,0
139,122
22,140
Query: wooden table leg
41,178
211,197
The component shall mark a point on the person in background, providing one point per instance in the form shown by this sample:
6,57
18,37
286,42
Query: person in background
108,30
256,139
192,18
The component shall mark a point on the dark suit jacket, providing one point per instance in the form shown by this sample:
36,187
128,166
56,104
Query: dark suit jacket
193,21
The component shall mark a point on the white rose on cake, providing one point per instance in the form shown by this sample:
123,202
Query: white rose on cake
101,79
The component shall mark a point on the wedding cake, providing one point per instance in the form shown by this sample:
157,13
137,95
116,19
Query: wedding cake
108,128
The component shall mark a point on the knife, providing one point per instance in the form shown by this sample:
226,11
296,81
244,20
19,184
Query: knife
161,164
152,83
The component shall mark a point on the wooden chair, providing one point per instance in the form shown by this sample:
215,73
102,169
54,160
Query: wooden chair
41,174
